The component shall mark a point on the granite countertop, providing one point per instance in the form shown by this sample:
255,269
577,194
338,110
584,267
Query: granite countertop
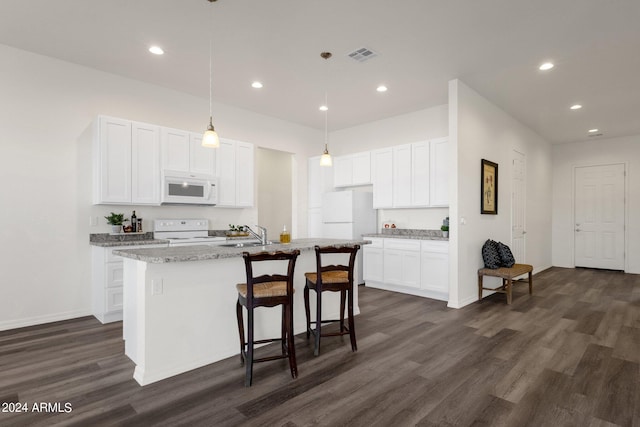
209,252
124,239
408,233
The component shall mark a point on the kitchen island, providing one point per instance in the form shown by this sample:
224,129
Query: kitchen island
179,303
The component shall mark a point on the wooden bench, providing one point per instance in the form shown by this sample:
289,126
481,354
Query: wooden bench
507,274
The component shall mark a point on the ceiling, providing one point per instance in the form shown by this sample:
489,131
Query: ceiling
494,46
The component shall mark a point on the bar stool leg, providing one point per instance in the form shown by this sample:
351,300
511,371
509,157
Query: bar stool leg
249,373
306,309
290,344
352,326
240,330
343,295
316,350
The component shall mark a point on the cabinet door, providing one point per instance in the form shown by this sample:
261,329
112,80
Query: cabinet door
314,223
373,264
411,269
113,162
244,174
392,266
420,174
175,149
439,172
402,176
362,168
382,170
435,272
342,171
202,160
145,164
226,170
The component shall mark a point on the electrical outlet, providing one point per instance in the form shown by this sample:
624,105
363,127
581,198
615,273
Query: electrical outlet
93,221
156,287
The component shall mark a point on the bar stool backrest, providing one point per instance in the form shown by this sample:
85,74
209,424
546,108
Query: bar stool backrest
250,259
351,250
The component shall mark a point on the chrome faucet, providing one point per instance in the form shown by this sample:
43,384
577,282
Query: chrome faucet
262,236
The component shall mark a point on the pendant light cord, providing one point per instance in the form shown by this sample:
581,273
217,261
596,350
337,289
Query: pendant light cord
211,69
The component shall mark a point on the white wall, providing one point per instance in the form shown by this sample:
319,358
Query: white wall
417,126
47,104
273,191
480,130
598,152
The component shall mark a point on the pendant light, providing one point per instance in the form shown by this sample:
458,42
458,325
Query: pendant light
325,159
210,137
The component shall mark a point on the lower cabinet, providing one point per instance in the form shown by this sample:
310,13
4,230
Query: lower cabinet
107,282
417,267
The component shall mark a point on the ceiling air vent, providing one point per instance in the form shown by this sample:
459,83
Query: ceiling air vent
362,54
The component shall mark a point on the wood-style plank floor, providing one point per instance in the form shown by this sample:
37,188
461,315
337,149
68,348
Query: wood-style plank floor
568,355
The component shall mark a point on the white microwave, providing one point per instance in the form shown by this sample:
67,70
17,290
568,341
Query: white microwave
180,188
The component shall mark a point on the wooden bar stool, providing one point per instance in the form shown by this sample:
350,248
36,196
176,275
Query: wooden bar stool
267,290
332,278
506,274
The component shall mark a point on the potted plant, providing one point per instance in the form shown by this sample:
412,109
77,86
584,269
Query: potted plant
115,221
445,230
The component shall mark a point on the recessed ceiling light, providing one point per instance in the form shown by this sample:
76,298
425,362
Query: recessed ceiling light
381,88
593,130
256,85
546,66
576,107
324,108
156,50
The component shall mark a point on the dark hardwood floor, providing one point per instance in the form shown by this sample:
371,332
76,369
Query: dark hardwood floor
568,355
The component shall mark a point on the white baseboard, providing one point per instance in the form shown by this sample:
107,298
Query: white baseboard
39,320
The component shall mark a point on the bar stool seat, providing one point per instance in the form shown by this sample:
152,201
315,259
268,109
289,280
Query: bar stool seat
267,290
332,278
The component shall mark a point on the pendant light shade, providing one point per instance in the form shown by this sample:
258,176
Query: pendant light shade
210,138
325,159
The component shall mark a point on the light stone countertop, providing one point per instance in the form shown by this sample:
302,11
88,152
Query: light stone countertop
408,233
209,252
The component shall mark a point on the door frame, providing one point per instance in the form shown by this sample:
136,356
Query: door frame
626,207
524,214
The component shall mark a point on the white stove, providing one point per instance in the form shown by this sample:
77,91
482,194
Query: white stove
183,232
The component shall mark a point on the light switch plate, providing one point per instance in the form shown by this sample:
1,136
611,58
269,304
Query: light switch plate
156,287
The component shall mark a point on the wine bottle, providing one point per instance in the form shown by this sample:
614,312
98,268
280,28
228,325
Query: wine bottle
134,222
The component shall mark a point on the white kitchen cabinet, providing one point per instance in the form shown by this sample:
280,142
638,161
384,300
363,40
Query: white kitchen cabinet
402,176
352,170
107,274
319,181
402,262
314,223
382,178
235,164
182,151
373,262
420,174
435,267
126,167
416,267
145,164
439,172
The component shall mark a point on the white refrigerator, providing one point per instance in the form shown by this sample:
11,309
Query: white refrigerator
348,215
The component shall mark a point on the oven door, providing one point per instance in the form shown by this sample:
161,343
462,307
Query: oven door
189,189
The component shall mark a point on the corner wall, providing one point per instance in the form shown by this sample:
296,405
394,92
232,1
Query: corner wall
599,152
480,130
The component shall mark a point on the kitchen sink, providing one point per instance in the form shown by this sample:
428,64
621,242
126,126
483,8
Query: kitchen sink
243,244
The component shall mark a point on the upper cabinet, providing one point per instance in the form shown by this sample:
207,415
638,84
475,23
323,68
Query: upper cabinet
182,151
125,162
352,170
410,175
439,172
235,163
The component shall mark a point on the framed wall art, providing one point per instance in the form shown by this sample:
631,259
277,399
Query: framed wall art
489,188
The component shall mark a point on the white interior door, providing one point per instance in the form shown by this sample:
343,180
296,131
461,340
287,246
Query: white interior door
518,206
599,216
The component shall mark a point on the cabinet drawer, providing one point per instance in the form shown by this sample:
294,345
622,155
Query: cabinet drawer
376,242
115,297
402,244
435,246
